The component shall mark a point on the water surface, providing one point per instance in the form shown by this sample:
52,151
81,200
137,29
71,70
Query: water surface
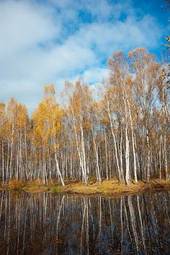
65,224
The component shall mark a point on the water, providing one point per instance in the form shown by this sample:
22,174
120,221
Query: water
66,224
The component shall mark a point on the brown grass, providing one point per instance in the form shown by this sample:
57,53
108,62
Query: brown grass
111,187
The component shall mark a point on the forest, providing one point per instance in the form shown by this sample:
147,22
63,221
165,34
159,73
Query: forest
120,133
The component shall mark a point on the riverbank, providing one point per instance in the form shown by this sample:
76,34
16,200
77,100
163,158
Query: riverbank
111,187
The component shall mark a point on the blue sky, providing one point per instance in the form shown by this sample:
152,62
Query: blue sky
52,41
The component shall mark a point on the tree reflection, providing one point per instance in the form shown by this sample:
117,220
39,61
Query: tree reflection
63,224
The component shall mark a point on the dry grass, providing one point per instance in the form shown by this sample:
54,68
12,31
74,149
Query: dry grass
111,187
35,186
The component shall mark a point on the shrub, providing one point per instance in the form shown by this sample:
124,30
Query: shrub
15,184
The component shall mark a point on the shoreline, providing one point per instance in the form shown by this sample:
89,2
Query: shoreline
106,188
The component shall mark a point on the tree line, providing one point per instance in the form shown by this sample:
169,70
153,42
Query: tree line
123,133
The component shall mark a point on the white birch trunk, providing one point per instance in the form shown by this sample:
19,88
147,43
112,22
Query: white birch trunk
114,140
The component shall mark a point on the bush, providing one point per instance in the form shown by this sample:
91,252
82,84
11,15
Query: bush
15,184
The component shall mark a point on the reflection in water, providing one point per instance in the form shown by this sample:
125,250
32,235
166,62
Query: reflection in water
72,225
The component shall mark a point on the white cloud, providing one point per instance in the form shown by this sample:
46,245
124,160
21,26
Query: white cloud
23,26
94,75
120,35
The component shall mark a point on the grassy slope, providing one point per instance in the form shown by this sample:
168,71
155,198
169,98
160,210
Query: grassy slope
111,187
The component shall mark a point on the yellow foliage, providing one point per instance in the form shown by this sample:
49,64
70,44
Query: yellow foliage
47,122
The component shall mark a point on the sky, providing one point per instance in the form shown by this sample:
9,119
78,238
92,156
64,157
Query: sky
50,41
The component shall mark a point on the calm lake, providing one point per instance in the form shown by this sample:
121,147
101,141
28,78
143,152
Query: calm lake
66,224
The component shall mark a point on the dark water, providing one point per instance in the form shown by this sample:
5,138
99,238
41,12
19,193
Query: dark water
64,224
